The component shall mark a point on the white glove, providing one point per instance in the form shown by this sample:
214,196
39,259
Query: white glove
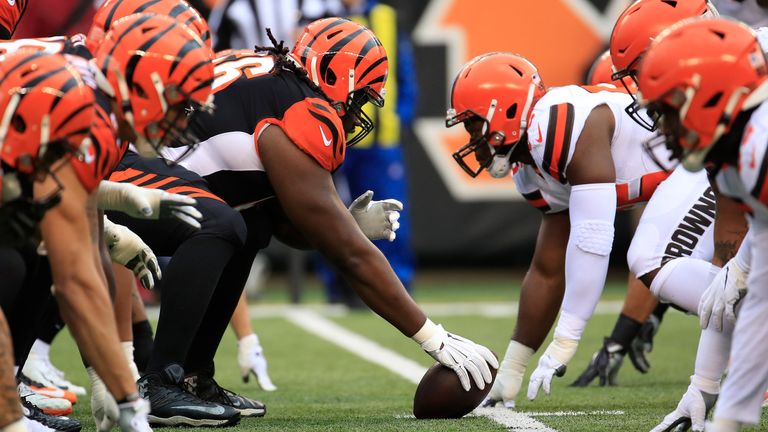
693,407
723,295
133,416
127,249
377,219
250,357
462,355
552,363
509,378
144,203
103,406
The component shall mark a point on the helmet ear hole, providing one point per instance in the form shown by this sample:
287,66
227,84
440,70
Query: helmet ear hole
512,111
330,77
712,102
18,124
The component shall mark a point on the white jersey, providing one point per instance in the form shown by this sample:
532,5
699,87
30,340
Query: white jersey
556,123
746,182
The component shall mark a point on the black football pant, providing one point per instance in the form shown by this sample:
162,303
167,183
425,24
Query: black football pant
201,285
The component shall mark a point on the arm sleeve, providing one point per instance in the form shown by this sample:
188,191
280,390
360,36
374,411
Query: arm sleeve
592,214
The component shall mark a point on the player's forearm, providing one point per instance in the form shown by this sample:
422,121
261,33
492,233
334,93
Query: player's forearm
540,298
730,228
10,408
86,308
370,275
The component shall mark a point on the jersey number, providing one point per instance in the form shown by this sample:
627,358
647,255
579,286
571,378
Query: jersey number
228,71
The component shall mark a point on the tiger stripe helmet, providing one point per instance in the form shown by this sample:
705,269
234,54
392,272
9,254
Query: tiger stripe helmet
46,111
157,70
113,10
348,62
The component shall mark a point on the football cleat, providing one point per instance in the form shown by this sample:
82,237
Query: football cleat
605,364
44,390
54,406
171,405
40,369
61,424
206,388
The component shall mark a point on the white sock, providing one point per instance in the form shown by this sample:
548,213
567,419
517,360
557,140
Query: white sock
128,351
41,348
682,281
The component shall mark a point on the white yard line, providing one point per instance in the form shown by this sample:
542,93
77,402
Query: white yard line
367,349
487,309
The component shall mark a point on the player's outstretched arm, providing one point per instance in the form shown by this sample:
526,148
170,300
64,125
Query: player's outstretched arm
80,290
308,197
540,298
592,209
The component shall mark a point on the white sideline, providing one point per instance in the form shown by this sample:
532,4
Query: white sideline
367,349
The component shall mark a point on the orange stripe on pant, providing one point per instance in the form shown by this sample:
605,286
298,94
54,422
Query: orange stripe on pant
193,192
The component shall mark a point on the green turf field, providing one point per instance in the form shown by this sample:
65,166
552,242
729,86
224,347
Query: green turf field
322,387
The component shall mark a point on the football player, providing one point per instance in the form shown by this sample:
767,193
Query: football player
721,124
264,168
501,100
47,111
641,315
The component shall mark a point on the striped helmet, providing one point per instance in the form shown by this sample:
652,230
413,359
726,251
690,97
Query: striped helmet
499,90
46,111
349,64
113,10
157,70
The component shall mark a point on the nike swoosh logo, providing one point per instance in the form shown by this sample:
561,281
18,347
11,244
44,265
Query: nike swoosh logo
539,139
12,2
326,141
219,410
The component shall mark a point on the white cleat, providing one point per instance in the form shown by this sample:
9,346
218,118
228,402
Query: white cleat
48,405
251,358
33,426
40,369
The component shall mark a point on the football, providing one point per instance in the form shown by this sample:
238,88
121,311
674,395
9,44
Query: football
440,395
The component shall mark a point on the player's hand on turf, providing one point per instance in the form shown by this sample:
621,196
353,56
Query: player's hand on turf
723,295
250,357
465,357
377,219
509,377
551,364
548,368
127,249
133,416
642,344
605,364
103,406
144,203
692,410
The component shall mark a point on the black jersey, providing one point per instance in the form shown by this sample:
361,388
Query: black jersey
250,96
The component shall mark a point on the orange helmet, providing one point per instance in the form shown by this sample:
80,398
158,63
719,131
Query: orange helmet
348,62
601,72
113,10
500,89
683,73
156,69
45,111
634,31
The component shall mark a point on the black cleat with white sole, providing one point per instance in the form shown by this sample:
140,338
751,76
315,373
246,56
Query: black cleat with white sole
206,388
174,406
57,423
